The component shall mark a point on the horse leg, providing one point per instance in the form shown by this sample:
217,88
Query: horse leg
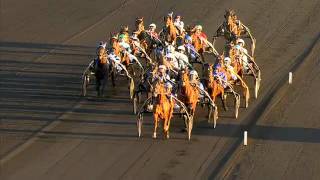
166,128
213,97
224,101
168,121
113,76
103,85
156,119
246,94
98,84
133,73
202,58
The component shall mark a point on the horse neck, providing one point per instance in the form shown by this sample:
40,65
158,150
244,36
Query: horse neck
171,26
162,98
140,27
197,43
187,87
115,45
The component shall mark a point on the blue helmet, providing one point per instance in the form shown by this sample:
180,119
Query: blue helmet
188,38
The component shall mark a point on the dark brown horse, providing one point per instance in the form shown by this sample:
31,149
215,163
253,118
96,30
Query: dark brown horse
101,70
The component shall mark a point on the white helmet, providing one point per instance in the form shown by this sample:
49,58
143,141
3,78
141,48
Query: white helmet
199,27
227,60
153,25
168,85
182,48
194,72
240,41
162,67
237,47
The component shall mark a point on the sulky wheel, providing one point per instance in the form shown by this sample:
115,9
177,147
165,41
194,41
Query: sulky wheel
139,124
85,83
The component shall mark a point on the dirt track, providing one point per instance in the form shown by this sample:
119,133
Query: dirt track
49,132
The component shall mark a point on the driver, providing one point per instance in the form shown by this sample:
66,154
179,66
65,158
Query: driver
161,75
194,79
152,31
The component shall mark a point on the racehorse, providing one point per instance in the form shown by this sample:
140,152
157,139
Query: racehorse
141,33
232,29
147,43
219,86
139,25
229,28
125,31
169,31
101,70
114,44
189,92
236,62
198,45
230,73
163,109
214,86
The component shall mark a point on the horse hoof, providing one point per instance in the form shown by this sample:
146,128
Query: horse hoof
154,136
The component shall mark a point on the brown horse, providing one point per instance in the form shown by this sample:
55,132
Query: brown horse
146,42
231,28
114,44
125,31
236,62
190,93
169,32
163,109
198,45
214,88
140,31
139,25
234,72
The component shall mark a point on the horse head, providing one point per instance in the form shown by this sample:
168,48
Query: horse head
184,76
124,29
159,92
168,19
114,44
229,13
139,24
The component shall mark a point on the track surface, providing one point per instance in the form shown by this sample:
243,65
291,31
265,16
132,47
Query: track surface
49,132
